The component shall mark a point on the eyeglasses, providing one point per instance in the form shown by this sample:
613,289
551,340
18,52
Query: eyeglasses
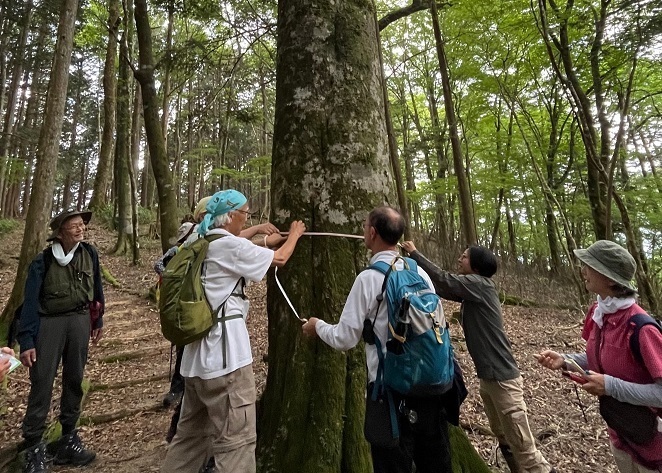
248,213
75,226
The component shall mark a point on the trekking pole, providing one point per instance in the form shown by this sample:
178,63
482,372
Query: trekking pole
579,401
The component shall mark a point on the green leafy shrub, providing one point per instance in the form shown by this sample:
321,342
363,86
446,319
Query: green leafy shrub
104,216
7,225
146,216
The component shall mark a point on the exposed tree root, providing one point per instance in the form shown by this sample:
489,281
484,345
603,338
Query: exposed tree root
121,414
128,382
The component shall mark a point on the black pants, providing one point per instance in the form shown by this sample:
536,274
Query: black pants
424,443
177,381
66,338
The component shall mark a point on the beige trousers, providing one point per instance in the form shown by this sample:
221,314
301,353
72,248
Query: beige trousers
506,411
218,416
625,464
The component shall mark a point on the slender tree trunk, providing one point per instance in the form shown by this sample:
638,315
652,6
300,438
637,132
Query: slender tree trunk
123,148
39,212
70,155
464,193
12,98
132,166
27,148
153,131
102,178
393,148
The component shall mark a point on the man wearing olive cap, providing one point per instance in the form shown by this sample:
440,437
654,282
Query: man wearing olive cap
63,281
218,408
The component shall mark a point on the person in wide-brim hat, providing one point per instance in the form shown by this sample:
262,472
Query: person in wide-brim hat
61,314
611,260
609,367
57,221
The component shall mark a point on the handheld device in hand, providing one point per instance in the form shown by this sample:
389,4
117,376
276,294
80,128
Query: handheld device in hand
575,377
13,362
574,366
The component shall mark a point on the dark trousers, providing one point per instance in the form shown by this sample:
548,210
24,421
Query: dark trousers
177,381
66,338
424,443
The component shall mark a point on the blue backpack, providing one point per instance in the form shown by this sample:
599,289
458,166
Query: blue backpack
419,354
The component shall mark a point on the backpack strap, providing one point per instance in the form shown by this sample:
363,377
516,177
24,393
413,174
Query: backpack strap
221,308
638,321
224,318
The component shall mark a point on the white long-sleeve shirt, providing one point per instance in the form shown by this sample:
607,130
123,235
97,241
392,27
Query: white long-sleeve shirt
361,304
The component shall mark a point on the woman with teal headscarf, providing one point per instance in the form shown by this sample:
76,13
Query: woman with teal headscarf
218,409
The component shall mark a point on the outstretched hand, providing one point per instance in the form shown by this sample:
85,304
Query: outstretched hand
309,327
297,228
550,359
408,246
267,228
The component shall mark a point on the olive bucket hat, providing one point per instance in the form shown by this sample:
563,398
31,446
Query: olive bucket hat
609,259
62,217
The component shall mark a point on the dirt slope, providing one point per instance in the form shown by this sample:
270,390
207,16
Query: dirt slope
128,435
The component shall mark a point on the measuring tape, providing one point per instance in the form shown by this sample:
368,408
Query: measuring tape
280,286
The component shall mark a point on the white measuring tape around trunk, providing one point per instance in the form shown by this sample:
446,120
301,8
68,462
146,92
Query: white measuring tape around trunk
280,286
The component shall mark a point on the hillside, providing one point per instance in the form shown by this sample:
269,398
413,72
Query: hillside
128,373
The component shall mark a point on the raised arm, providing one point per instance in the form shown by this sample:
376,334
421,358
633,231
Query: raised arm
282,254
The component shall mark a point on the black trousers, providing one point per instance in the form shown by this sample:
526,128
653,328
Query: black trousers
424,442
66,338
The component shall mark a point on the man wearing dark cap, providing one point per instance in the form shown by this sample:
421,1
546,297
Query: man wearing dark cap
63,282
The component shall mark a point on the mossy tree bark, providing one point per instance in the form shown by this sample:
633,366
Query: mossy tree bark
154,133
123,148
330,167
101,181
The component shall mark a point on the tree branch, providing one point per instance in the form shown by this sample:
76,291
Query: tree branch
416,6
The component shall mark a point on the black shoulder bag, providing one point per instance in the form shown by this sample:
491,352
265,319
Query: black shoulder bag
634,424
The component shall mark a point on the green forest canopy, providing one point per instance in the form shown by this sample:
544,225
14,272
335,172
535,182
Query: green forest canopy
558,108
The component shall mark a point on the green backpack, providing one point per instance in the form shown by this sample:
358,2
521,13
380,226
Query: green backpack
185,313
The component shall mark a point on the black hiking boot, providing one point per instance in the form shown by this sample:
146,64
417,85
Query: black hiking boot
72,452
35,459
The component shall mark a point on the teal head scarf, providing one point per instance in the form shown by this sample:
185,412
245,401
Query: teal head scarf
221,203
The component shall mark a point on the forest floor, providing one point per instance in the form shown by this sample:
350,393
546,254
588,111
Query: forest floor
130,422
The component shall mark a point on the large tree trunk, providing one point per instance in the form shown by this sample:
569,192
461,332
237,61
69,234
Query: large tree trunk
39,212
329,135
153,131
329,139
102,178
